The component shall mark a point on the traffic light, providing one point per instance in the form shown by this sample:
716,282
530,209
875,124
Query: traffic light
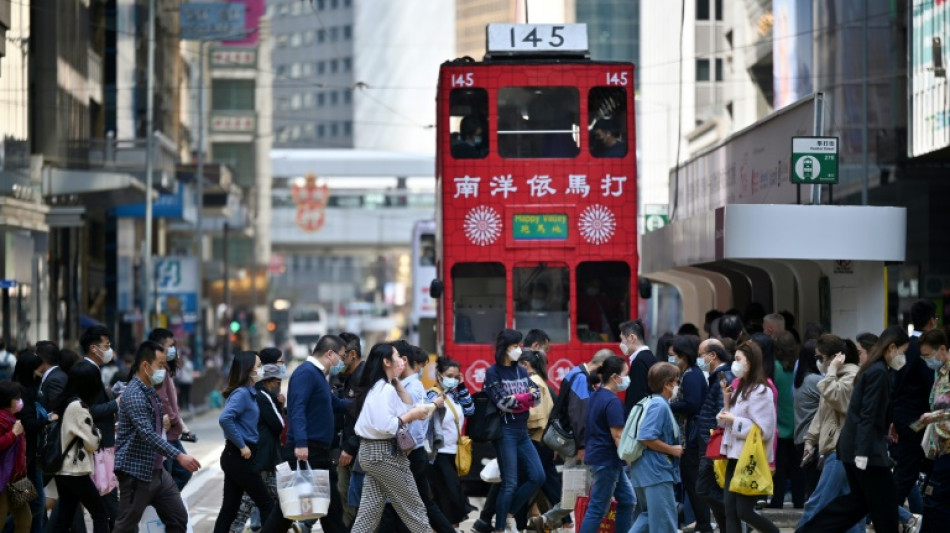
271,327
235,326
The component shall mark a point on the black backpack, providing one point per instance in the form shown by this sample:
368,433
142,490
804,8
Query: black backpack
50,453
485,424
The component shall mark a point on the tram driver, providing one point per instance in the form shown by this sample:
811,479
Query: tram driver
469,144
607,139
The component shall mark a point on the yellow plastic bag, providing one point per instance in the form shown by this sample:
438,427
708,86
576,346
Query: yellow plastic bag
752,476
719,468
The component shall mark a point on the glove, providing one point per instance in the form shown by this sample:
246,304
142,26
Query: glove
861,462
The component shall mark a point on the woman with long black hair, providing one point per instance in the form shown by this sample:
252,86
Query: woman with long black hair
861,445
239,421
25,373
384,406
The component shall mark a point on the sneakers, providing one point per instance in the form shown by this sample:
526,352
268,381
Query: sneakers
481,526
913,525
511,526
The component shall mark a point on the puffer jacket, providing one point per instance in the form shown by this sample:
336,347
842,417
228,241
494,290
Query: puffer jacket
835,389
712,403
77,424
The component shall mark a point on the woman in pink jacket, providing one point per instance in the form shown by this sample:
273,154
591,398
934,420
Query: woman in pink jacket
752,404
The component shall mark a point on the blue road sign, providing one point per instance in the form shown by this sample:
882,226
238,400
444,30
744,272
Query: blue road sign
211,21
7,283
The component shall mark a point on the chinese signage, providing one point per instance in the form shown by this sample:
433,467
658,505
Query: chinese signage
311,199
540,227
211,21
929,116
234,57
245,123
815,160
540,185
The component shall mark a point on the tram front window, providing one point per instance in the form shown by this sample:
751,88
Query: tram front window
543,300
478,302
468,125
538,122
603,300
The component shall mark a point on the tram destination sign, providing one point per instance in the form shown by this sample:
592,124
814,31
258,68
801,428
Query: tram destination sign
537,38
815,160
539,227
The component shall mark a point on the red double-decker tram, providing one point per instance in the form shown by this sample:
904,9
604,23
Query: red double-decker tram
536,199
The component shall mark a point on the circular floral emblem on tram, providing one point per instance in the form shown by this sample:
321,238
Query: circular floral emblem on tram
597,224
482,225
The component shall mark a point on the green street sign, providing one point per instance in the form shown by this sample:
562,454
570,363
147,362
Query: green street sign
815,160
655,222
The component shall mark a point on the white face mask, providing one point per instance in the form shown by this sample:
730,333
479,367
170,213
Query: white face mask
898,361
739,368
676,391
623,349
258,375
624,383
515,353
107,356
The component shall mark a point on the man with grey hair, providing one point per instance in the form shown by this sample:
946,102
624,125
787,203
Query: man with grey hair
773,324
577,385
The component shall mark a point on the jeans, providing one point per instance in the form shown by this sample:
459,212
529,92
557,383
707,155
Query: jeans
657,510
608,482
832,483
514,449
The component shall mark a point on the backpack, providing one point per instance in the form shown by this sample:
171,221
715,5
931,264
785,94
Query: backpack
50,453
630,448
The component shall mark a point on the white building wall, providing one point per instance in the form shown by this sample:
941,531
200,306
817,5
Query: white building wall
398,49
264,102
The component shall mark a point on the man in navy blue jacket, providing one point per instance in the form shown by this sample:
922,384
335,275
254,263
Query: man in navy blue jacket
310,409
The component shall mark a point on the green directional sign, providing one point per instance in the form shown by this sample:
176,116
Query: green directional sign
815,160
655,222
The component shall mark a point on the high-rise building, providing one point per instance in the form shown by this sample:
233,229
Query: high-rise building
613,29
360,74
472,16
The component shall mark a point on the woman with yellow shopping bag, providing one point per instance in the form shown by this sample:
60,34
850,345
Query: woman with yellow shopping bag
749,427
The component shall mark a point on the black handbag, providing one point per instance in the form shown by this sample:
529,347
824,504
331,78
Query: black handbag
485,424
21,492
558,435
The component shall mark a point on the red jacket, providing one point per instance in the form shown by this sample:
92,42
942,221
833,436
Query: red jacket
8,439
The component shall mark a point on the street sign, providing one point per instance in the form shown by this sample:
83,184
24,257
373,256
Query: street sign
815,160
211,21
176,275
7,283
655,222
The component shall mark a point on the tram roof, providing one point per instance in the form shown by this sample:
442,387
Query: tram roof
292,162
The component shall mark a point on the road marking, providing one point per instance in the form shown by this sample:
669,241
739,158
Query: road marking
203,476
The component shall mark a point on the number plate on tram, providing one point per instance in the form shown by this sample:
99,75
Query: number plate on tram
527,38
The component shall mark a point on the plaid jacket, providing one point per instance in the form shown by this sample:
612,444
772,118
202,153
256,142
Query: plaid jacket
137,441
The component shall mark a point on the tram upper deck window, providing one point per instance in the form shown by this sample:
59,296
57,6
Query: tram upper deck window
479,301
607,110
538,122
468,125
603,300
542,300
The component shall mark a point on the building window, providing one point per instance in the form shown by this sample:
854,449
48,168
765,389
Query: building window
321,36
283,104
334,4
321,99
321,4
295,101
307,69
295,70
334,98
321,131
718,9
347,3
308,100
718,69
282,41
321,67
295,133
334,34
347,64
283,9
702,70
347,97
240,157
702,9
281,71
308,37
295,39
308,131
228,95
348,32
334,66
334,129
347,128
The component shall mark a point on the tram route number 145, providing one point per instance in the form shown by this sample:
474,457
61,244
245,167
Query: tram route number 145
557,40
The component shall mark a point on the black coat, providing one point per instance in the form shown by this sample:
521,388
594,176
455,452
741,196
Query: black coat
911,387
269,427
349,440
52,388
104,412
638,388
865,426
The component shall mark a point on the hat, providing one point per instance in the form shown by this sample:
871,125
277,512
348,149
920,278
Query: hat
272,372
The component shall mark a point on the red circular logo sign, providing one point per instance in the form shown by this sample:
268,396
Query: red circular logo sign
558,370
475,375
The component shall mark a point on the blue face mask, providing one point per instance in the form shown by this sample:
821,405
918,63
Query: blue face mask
933,363
337,368
172,353
703,365
283,368
673,360
450,383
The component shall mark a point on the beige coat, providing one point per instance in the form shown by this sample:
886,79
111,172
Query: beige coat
539,414
77,423
835,389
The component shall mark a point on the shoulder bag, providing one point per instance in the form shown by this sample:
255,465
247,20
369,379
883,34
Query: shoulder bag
463,456
559,436
485,424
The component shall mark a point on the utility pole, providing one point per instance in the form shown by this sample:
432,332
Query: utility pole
227,295
199,231
149,119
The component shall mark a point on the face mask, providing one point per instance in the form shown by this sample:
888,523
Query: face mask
515,353
337,368
158,377
703,365
283,368
537,305
624,383
739,369
172,353
898,361
676,391
592,291
258,375
623,349
106,356
18,406
823,368
933,363
450,383
422,372
673,360
477,139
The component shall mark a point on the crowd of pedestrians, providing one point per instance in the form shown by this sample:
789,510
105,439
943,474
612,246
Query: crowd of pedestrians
700,436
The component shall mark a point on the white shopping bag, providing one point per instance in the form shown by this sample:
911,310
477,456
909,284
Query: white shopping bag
491,473
150,523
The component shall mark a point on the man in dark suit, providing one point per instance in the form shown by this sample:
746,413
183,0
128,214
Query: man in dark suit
53,380
633,345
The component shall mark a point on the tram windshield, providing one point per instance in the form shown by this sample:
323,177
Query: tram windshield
538,122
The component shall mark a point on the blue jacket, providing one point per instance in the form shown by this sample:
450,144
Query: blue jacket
689,402
712,404
310,407
240,415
